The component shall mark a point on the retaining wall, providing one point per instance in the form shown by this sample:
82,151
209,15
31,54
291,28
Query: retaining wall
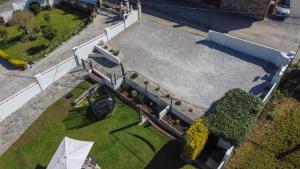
108,55
272,55
83,51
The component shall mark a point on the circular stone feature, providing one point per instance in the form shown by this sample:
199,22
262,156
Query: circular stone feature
103,107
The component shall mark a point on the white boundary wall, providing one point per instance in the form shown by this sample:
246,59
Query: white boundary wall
16,101
49,76
272,55
52,74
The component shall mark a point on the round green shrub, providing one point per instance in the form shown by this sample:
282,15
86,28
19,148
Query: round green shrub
233,115
134,93
49,33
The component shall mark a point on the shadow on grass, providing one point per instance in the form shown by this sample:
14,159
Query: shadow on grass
123,128
128,149
36,49
14,40
150,145
40,167
79,118
167,157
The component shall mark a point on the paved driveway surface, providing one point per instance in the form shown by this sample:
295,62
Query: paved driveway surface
283,35
14,80
187,65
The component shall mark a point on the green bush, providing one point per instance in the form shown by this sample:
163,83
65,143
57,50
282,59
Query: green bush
134,75
232,116
34,7
116,52
178,102
196,136
49,33
271,115
290,83
133,93
15,62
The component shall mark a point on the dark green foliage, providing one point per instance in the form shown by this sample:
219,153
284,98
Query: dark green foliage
34,7
47,17
133,93
233,115
3,37
271,115
178,103
49,33
290,84
134,75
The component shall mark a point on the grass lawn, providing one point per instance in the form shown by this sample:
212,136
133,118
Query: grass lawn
119,141
272,144
64,22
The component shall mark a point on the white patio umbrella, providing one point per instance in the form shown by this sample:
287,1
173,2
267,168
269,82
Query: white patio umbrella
70,154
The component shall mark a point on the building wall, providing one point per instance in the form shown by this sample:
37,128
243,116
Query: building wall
253,8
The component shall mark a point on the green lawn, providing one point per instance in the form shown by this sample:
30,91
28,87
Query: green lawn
63,21
119,141
272,144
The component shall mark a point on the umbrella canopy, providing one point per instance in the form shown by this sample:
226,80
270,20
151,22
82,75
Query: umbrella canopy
70,154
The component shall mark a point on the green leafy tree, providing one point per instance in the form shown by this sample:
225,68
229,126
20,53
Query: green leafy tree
34,7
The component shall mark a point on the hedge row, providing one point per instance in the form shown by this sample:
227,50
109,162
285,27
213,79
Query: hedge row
233,115
197,136
14,62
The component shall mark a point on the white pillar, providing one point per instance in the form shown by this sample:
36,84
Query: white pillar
77,59
139,6
40,81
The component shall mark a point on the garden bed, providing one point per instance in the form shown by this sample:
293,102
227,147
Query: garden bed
145,104
175,122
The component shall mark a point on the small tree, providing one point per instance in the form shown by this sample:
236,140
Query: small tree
3,36
22,20
196,136
34,7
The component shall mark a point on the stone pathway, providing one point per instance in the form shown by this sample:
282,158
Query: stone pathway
15,125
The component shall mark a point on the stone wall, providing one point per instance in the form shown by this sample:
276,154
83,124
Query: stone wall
253,8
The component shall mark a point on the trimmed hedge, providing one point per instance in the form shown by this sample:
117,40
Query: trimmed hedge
197,136
233,115
15,62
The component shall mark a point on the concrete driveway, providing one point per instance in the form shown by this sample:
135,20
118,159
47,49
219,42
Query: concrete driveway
186,64
283,35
